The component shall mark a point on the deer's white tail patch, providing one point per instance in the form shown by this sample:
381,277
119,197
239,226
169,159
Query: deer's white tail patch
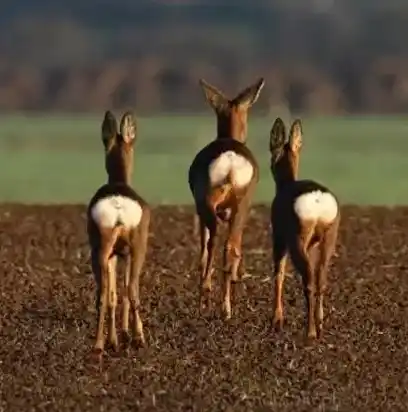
231,163
113,210
316,205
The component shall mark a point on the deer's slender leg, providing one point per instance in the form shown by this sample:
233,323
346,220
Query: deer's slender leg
232,257
138,252
112,302
196,225
326,249
125,300
228,258
207,235
204,238
237,256
107,287
103,301
96,270
300,259
280,259
234,245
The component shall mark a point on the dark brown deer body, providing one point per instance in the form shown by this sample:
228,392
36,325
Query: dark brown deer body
305,217
222,179
118,225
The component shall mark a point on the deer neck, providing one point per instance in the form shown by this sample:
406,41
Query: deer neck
119,166
286,172
232,126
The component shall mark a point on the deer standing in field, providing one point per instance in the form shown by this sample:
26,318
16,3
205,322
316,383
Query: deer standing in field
305,217
222,179
118,225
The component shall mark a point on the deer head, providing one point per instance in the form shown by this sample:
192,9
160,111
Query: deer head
119,147
232,114
285,153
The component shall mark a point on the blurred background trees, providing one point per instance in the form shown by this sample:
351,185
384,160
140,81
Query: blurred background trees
318,56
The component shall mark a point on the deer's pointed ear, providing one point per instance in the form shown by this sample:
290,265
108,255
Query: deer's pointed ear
295,136
109,128
128,127
250,95
277,138
214,97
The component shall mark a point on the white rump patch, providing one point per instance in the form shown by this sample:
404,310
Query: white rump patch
316,205
232,163
113,210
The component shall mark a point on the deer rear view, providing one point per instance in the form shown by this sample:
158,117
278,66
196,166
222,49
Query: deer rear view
222,179
305,217
118,224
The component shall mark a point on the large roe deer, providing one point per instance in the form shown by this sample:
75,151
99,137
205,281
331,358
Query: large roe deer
118,225
222,179
305,217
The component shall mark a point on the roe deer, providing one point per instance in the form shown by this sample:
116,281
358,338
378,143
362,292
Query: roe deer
222,179
305,217
118,225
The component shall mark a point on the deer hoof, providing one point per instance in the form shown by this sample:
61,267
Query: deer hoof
227,314
96,355
311,335
138,343
277,323
113,344
125,338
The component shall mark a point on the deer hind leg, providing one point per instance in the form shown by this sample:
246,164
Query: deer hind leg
280,259
232,258
138,255
112,302
196,225
97,273
100,263
300,259
125,301
326,249
102,301
207,238
234,245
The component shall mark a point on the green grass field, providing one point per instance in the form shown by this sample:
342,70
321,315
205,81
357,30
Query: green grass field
59,159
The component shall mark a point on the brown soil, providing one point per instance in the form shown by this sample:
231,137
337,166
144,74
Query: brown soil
47,322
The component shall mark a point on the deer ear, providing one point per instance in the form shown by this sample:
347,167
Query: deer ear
250,95
109,128
214,97
128,127
277,138
295,136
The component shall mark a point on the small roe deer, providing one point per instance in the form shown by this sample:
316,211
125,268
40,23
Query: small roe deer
305,217
222,179
118,225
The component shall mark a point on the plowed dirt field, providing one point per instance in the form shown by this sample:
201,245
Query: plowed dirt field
47,322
